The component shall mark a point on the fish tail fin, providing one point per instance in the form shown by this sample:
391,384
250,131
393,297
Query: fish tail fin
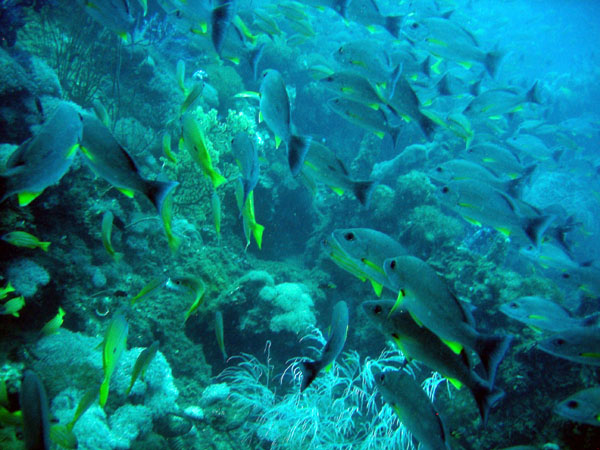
536,227
392,25
491,351
104,391
515,186
486,398
533,94
310,370
297,149
427,126
443,86
257,232
44,245
157,191
255,57
425,66
492,61
475,88
217,179
363,190
394,77
591,320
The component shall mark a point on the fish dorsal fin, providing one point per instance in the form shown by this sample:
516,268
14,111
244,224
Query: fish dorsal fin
416,319
398,341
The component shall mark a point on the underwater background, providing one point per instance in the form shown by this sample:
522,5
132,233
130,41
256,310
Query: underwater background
263,224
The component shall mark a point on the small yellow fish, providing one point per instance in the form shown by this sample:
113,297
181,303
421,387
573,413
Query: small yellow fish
153,285
87,399
220,333
13,306
115,342
141,364
53,324
167,147
6,290
24,239
249,219
195,142
107,223
166,215
192,286
216,209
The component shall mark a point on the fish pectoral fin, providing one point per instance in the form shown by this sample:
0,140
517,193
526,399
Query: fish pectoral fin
477,223
339,191
505,231
456,347
536,317
457,384
398,302
277,141
594,355
378,288
128,192
397,410
417,321
25,198
72,151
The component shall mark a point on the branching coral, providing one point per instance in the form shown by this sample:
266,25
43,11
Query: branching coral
81,51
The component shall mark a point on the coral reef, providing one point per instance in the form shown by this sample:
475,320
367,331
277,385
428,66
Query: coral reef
27,276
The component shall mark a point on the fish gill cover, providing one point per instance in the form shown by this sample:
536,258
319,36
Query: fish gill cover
268,224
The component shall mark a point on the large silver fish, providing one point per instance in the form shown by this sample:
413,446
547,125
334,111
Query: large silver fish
276,112
109,160
44,159
430,302
421,344
416,412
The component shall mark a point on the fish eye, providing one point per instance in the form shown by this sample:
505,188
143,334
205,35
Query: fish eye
329,78
349,236
377,309
514,305
566,276
559,341
572,404
438,169
381,376
393,264
414,25
341,50
445,189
